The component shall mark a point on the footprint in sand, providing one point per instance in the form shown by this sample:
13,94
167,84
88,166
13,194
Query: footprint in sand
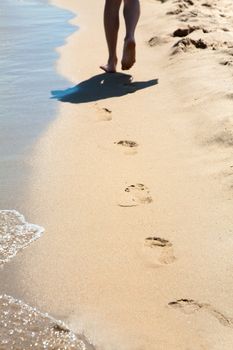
181,6
103,113
226,62
187,44
135,195
130,147
190,306
157,40
161,250
223,133
207,4
187,306
184,31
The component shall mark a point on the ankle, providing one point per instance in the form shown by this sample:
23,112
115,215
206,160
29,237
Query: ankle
112,60
129,39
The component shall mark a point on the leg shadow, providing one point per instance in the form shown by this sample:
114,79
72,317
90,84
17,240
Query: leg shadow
100,87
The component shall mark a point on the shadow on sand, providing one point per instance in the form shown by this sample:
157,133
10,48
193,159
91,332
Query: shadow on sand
100,87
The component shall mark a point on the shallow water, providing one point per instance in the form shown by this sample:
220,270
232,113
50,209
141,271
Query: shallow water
23,327
30,31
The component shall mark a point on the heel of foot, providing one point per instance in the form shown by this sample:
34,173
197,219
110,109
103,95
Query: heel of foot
129,55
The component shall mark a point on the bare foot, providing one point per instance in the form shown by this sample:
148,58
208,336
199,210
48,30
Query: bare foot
110,67
129,54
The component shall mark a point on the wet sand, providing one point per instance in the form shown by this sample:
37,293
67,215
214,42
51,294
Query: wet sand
23,327
134,188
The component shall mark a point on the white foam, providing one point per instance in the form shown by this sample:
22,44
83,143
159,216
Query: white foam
15,234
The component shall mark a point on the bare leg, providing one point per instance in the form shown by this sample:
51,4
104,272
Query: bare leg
131,15
111,25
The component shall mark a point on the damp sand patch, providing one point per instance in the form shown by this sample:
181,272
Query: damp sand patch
15,234
23,327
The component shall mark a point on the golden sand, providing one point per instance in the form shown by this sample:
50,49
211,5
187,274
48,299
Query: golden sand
137,252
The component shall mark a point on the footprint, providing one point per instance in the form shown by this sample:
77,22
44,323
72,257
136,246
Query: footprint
163,252
104,114
127,143
157,40
189,2
135,195
181,7
176,11
157,242
225,321
189,306
186,44
223,134
130,146
227,62
206,4
182,32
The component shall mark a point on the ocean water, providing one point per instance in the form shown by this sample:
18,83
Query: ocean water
30,32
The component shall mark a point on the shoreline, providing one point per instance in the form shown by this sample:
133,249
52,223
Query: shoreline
28,73
138,240
16,234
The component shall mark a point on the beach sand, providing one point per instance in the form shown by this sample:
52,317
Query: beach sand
133,185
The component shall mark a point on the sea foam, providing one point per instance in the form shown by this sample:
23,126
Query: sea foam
15,234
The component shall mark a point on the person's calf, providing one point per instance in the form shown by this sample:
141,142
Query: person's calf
111,25
131,15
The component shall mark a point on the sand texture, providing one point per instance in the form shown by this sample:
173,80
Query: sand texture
133,183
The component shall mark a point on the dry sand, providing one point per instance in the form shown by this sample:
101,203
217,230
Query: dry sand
137,252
